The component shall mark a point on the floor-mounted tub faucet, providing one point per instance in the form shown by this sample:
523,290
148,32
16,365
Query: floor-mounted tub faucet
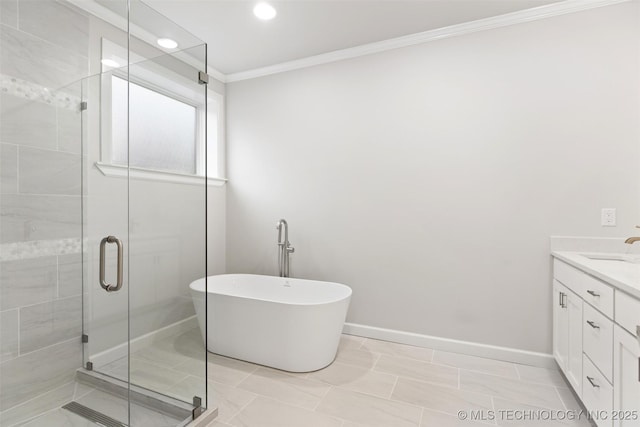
284,248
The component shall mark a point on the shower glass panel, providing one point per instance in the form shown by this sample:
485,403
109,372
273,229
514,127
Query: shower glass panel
167,234
167,208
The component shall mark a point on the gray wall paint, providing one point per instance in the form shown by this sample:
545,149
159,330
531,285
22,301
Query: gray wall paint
430,178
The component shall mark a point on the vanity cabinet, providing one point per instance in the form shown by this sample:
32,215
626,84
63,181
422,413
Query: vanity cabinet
595,343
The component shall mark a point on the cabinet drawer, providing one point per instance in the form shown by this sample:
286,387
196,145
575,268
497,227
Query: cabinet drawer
598,294
597,393
597,340
570,277
627,312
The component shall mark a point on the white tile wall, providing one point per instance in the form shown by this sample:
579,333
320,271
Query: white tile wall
43,48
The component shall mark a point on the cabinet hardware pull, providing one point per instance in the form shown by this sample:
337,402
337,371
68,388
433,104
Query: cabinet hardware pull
563,304
593,293
560,299
593,324
591,380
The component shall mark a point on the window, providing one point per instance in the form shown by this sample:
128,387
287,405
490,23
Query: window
164,136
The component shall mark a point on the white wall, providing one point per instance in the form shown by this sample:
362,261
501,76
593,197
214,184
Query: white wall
430,178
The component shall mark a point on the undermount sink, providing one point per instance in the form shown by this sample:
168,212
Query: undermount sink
633,259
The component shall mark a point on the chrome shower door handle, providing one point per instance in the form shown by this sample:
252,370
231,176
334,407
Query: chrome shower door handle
106,286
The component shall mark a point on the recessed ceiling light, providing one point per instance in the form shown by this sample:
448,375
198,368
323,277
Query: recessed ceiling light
110,63
168,43
264,11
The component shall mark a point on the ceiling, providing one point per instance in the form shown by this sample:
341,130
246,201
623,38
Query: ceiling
238,41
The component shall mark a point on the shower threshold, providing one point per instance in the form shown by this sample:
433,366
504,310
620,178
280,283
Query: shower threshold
175,409
101,402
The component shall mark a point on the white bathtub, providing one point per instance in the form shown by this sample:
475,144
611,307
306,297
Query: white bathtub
289,324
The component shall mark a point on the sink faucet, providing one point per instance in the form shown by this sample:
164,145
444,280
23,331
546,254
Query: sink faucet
632,240
284,248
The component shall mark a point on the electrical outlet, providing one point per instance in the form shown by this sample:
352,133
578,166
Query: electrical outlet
608,217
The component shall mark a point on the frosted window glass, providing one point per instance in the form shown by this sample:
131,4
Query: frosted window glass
162,133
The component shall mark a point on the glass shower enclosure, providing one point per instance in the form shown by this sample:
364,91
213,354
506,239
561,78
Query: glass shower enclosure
103,215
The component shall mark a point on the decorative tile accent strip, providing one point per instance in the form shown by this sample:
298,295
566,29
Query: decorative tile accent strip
39,248
29,90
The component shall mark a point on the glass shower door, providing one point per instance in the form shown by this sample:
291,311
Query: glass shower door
105,243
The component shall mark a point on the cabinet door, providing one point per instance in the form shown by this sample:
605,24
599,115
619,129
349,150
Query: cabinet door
573,307
626,377
560,326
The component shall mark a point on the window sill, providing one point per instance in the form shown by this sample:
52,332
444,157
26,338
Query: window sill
120,171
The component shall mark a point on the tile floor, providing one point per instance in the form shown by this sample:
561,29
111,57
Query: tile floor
371,384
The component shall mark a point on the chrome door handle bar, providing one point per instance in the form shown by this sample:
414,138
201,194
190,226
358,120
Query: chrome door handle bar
106,286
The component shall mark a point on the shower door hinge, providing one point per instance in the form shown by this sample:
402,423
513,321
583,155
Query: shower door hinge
197,407
83,105
85,338
203,78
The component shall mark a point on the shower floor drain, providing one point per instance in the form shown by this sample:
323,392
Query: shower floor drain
93,415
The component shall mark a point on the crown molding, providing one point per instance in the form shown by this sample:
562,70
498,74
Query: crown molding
522,16
216,74
527,15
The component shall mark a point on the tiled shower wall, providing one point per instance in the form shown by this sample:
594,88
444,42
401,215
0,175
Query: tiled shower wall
43,50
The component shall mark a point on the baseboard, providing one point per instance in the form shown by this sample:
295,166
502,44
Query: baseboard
507,354
118,352
437,343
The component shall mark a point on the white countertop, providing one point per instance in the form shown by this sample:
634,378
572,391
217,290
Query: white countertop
622,275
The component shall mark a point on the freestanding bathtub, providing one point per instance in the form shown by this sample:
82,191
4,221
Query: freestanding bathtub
289,324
